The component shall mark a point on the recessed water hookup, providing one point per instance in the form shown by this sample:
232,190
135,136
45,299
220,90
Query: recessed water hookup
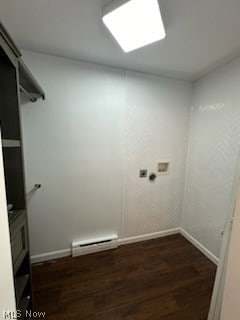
163,167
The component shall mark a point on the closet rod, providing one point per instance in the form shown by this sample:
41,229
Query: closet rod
32,98
36,186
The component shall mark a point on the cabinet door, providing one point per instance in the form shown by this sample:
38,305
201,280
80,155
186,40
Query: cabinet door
7,301
19,241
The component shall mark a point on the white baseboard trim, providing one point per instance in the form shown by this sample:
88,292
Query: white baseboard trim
199,246
124,241
50,256
67,252
148,236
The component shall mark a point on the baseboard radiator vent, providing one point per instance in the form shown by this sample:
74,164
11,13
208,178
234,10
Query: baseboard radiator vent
93,245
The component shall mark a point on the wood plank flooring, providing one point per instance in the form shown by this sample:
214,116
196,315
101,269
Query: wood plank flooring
166,278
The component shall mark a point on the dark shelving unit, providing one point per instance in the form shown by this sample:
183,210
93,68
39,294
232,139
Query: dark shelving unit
16,79
20,285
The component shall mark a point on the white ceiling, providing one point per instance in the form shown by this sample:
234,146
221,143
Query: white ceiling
201,34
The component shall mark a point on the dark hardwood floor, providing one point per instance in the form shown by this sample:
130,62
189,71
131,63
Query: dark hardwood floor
167,279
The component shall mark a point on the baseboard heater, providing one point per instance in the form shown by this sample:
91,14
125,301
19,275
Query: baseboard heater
94,245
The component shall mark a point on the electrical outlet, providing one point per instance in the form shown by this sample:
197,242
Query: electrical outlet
143,173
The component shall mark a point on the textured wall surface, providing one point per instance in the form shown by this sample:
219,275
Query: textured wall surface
213,148
156,128
96,129
99,126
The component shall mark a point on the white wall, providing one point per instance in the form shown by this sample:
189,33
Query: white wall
213,148
7,294
73,147
156,129
86,144
99,126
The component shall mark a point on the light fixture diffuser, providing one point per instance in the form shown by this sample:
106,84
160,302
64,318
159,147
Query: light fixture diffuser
135,23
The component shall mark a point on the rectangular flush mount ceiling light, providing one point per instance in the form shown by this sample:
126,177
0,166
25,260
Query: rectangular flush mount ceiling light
134,23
